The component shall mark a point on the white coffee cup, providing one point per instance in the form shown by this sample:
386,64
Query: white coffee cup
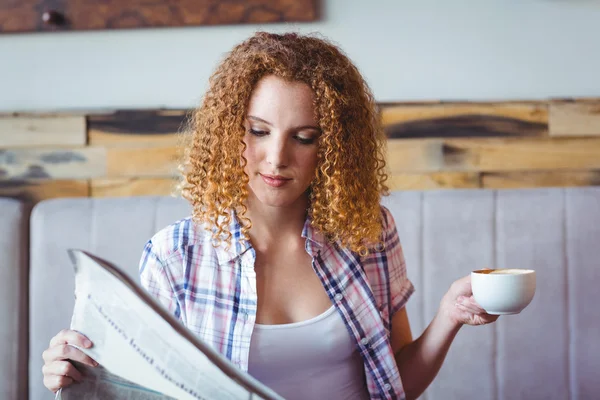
503,291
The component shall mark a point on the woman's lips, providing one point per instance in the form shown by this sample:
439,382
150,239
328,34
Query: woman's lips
275,180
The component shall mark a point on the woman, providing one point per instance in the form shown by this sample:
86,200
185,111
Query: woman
289,266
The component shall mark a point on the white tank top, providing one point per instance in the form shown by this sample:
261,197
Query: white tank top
312,359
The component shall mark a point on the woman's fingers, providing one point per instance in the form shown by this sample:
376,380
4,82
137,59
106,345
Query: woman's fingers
71,337
471,304
477,315
55,382
58,371
66,352
470,310
461,287
60,374
62,368
487,318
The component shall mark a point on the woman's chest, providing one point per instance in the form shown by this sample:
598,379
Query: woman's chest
288,289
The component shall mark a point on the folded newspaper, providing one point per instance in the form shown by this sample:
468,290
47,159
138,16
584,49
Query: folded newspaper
144,352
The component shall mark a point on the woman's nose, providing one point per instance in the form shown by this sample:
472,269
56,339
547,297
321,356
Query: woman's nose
277,153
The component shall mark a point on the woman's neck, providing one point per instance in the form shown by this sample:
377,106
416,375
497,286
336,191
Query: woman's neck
274,225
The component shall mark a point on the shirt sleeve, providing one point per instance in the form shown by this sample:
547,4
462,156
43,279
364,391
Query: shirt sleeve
401,288
155,278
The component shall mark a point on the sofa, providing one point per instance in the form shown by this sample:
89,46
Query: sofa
549,351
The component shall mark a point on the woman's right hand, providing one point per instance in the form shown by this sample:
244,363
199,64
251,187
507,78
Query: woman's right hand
58,371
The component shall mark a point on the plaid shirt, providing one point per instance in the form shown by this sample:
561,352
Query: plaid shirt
212,290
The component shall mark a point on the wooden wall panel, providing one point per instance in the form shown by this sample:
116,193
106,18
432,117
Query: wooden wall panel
575,119
122,187
465,120
151,162
439,180
136,128
31,131
55,163
529,179
492,154
431,146
414,155
53,15
33,191
521,154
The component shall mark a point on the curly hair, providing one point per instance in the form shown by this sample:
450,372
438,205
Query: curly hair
344,200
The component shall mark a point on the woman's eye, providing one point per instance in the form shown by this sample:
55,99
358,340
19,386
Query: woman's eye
304,140
257,132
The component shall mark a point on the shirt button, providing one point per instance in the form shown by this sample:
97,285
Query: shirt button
245,315
364,341
387,386
338,297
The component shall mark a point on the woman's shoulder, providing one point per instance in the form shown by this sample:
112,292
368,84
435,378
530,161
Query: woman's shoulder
388,222
178,237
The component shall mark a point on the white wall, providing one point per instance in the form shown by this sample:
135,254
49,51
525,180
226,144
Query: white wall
407,50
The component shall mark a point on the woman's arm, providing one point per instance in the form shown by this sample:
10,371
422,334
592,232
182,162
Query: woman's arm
419,361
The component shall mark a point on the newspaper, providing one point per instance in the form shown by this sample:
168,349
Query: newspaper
143,351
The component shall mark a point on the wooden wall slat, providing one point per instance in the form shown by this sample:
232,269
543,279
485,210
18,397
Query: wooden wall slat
30,131
122,187
33,191
522,154
528,179
575,119
151,162
414,155
465,120
433,145
26,15
54,163
436,180
136,128
492,154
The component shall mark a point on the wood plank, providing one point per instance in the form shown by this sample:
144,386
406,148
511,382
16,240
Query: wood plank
137,128
123,187
493,154
414,155
465,120
436,180
54,163
151,162
28,15
575,118
33,191
521,154
532,179
18,131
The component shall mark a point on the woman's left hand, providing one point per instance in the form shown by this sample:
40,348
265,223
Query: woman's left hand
459,305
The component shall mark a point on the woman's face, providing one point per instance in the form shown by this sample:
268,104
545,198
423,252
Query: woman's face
281,142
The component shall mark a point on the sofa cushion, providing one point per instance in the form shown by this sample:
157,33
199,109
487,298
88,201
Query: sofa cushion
549,351
13,307
115,229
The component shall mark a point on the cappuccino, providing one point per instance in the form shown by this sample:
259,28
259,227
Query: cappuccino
507,271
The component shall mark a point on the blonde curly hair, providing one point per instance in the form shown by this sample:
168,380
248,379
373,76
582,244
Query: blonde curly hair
344,200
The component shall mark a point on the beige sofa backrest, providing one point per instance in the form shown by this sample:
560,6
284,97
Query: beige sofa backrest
13,293
549,351
115,229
